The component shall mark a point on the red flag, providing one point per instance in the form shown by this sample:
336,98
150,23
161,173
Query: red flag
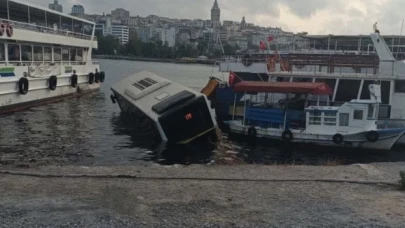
232,78
262,46
270,39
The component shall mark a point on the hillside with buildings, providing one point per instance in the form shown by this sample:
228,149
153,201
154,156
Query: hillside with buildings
213,37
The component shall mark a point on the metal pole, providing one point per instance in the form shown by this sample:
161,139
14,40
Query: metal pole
399,39
8,11
234,107
244,115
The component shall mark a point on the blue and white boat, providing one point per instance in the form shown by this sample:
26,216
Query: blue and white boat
353,124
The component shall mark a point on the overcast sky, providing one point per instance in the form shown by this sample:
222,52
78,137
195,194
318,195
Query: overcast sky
314,16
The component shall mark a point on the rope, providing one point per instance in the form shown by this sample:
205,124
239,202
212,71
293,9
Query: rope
127,176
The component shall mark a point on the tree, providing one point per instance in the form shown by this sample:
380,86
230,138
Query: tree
229,49
107,45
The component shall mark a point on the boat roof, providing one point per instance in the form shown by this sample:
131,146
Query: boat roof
318,88
51,11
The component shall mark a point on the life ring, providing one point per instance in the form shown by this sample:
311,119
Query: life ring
338,139
113,99
97,77
52,82
91,78
102,76
73,80
23,86
2,29
10,30
372,136
287,136
252,132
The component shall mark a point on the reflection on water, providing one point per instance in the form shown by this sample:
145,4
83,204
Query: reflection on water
92,131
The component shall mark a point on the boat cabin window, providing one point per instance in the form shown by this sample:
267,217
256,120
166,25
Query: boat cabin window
26,51
358,115
295,79
65,55
400,86
47,54
370,113
38,53
72,55
2,53
57,54
330,118
37,17
344,119
283,79
14,52
79,55
315,118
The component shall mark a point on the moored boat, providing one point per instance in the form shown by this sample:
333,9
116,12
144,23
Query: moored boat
174,112
45,56
353,124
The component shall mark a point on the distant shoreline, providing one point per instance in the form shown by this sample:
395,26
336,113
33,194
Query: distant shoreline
142,59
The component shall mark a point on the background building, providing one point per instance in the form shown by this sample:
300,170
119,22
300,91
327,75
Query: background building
56,6
107,28
120,14
77,10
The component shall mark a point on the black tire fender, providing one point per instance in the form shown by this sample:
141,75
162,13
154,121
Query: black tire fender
23,86
287,136
91,78
372,136
52,82
338,139
73,80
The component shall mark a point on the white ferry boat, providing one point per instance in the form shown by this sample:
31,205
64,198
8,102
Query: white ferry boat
45,56
177,113
349,80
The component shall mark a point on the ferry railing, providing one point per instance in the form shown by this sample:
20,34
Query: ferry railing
49,30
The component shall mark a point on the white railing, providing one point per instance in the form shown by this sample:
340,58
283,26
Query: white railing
48,30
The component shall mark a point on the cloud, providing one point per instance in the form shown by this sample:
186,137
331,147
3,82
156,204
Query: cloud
313,16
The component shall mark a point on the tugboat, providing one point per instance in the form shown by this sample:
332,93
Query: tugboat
178,114
353,124
45,56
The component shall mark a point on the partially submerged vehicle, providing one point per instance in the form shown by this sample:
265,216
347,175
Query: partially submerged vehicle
178,114
296,120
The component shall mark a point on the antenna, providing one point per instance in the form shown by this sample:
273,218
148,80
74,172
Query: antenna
399,40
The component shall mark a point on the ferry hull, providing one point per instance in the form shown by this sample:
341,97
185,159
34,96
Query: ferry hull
386,140
39,94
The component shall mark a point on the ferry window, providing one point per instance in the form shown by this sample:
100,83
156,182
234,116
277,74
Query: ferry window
14,52
26,51
330,118
67,24
53,20
302,79
344,119
385,92
57,54
358,115
77,26
79,55
18,12
38,53
400,86
47,53
37,17
73,55
3,9
65,54
2,53
283,79
347,90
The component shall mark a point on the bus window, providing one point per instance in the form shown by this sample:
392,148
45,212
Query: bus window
47,54
65,55
57,54
26,51
14,52
38,53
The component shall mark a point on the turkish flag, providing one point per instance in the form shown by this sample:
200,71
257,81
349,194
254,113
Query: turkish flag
262,45
270,39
